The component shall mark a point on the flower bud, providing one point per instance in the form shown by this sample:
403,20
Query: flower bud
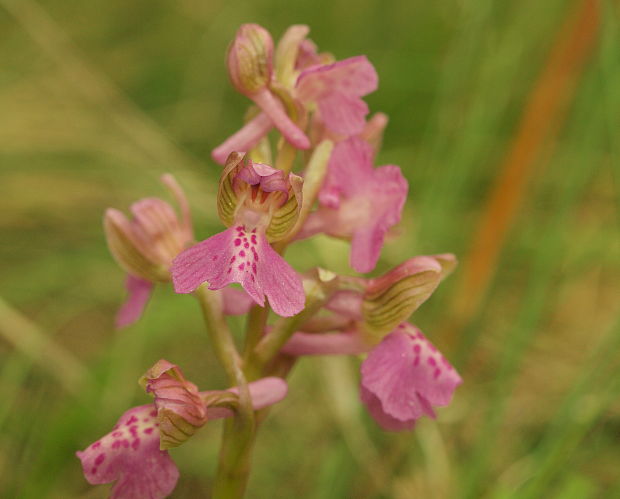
180,409
250,59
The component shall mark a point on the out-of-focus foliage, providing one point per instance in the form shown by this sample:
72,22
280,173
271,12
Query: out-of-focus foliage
98,98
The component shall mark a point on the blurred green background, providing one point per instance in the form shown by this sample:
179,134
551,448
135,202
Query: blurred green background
98,98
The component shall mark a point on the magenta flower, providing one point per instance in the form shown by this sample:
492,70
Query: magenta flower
262,205
358,202
146,245
404,377
337,90
131,454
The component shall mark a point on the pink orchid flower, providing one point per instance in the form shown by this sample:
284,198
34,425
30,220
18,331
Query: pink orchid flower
337,90
146,245
358,202
131,454
261,204
403,377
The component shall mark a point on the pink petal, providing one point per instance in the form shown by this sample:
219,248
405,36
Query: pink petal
139,291
354,76
366,247
337,89
407,374
350,170
244,139
343,114
130,455
244,257
387,422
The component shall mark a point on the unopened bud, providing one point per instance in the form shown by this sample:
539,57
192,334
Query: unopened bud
250,59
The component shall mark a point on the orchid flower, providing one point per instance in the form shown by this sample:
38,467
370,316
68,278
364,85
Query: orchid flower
260,205
358,202
337,90
146,245
134,453
376,313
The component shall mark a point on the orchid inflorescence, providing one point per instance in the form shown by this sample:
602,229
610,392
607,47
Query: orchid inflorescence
316,105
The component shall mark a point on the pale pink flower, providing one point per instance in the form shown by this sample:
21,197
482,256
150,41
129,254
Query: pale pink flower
262,205
358,202
130,454
337,90
146,244
404,377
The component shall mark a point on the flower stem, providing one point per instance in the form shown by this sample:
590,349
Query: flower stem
238,435
257,319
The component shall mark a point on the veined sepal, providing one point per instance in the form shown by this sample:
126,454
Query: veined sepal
391,298
180,408
131,258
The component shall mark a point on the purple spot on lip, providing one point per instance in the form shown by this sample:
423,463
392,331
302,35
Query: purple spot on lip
233,259
416,361
246,245
100,459
417,348
237,242
242,266
254,238
242,253
148,431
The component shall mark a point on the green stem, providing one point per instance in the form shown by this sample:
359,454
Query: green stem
270,345
257,320
238,436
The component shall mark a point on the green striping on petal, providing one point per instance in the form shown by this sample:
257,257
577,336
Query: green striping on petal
173,429
392,298
226,196
284,218
126,253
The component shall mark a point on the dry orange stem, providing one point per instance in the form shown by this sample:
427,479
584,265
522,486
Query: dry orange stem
544,112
